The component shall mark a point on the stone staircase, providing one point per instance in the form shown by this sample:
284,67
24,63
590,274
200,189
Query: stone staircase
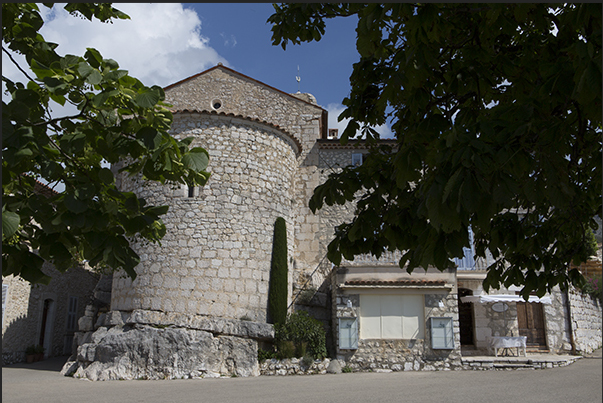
535,361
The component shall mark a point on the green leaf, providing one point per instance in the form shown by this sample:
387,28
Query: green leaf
451,184
94,77
196,159
147,98
59,99
31,269
10,223
106,176
93,57
84,69
75,205
149,136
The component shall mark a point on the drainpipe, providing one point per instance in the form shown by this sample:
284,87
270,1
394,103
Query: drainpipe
569,320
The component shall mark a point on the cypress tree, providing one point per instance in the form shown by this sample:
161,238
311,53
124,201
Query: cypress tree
277,293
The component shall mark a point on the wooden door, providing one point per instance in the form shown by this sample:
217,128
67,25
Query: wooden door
530,319
465,318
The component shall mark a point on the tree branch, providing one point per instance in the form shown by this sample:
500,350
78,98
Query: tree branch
17,64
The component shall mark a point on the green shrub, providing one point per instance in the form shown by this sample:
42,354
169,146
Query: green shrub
264,355
277,292
285,349
592,287
346,369
307,361
305,332
300,349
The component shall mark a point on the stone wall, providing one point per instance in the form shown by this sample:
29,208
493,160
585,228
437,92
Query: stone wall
585,313
208,232
241,95
586,321
24,307
399,354
402,355
215,257
298,115
213,264
556,323
294,366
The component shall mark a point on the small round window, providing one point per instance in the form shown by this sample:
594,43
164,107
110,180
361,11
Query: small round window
216,104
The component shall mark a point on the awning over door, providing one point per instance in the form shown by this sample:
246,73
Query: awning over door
482,299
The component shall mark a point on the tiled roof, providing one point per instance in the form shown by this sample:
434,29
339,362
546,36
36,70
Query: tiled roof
334,144
263,122
422,283
44,190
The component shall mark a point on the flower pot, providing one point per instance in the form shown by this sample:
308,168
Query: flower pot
30,358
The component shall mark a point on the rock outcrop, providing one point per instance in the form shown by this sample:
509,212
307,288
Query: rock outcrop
138,345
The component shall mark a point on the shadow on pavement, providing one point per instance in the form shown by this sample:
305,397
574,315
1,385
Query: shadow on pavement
49,364
595,354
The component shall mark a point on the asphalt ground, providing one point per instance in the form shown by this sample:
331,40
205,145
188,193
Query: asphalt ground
579,382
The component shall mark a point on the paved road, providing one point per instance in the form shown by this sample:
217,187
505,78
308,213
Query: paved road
579,383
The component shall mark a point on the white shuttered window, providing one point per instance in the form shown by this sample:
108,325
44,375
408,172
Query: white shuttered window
391,316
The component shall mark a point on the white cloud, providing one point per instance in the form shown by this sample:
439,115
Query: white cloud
232,42
160,44
334,112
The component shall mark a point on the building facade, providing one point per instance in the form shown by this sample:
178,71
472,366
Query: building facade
198,307
45,315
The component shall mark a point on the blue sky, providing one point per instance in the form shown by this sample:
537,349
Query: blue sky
163,43
239,33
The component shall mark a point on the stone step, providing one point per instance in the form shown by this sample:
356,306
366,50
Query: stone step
511,365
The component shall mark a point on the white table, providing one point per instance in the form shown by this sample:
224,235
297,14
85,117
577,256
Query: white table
494,343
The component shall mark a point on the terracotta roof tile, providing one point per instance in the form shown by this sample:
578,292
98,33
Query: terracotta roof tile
397,282
334,144
44,190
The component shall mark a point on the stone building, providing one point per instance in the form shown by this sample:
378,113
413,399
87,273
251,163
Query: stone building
198,307
45,315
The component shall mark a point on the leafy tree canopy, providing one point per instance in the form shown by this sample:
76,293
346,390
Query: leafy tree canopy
117,119
496,109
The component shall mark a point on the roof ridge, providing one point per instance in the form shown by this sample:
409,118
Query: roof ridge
220,65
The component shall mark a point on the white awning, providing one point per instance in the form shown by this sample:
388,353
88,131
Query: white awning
483,299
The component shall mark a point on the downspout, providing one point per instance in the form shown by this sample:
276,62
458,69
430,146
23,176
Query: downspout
324,125
569,320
